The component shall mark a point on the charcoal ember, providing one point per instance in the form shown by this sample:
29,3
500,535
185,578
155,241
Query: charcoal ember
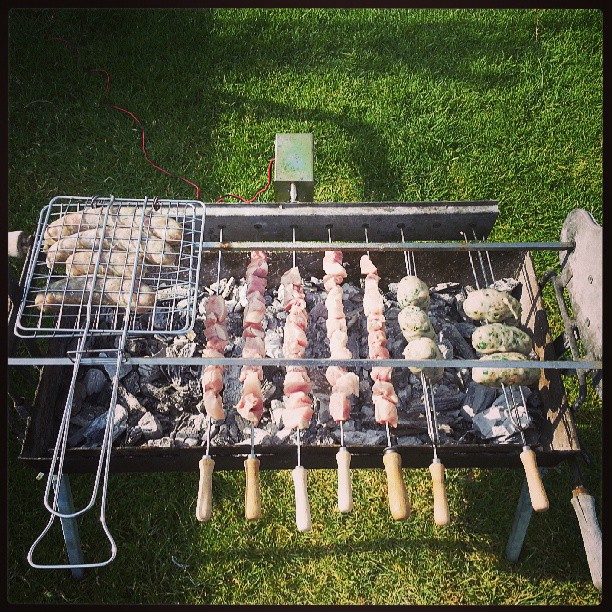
409,441
459,305
452,288
442,301
94,381
150,426
261,437
509,284
165,442
283,435
276,412
187,441
94,433
111,368
466,329
318,311
477,398
353,317
450,335
132,403
221,437
274,344
179,375
324,438
133,436
497,422
361,438
131,383
446,347
323,414
353,345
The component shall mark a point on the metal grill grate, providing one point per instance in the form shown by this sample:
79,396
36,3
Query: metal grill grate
119,252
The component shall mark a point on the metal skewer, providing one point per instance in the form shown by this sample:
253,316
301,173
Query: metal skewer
539,499
392,460
252,492
436,469
302,505
207,463
343,459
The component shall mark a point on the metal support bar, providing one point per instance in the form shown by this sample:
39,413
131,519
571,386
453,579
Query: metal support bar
388,246
70,527
311,362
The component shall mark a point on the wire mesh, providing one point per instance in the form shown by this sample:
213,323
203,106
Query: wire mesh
79,275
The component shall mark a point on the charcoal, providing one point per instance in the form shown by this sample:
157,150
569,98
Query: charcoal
477,398
131,383
359,438
95,431
164,442
94,381
111,369
461,348
150,426
466,329
409,441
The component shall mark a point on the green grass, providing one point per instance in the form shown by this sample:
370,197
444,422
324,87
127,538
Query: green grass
404,105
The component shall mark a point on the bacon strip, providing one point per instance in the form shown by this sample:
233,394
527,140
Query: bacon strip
383,394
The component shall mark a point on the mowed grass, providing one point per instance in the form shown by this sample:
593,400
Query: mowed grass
422,105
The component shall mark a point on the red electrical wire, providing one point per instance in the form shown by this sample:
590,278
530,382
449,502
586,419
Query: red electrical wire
262,190
123,110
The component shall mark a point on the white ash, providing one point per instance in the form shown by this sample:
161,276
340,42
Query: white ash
172,395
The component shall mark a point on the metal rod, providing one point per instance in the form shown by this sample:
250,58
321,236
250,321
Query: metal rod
512,416
388,434
219,260
252,439
482,266
471,262
308,362
405,253
389,246
365,229
489,260
432,429
294,243
208,436
299,444
342,433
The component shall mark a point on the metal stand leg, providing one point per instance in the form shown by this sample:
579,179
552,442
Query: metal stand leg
69,526
524,510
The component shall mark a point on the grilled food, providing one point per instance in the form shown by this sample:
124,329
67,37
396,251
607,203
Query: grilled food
109,292
500,338
412,291
495,377
492,306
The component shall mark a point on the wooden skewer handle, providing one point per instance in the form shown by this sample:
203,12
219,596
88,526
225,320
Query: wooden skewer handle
539,501
252,494
204,504
398,496
302,505
345,489
441,512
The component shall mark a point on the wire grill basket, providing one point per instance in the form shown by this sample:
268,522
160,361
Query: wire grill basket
93,257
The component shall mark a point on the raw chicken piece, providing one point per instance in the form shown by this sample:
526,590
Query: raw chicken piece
215,308
211,353
376,322
213,405
338,340
259,255
331,257
378,352
381,373
366,265
333,374
377,338
385,411
255,346
334,268
253,332
339,407
386,390
217,333
334,325
293,335
372,303
256,284
212,379
333,303
330,280
341,353
248,369
297,418
296,381
371,283
348,384
250,407
257,267
292,276
299,317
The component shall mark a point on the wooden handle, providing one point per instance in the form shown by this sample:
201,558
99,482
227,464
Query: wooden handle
398,496
345,489
302,505
539,501
441,513
204,505
252,496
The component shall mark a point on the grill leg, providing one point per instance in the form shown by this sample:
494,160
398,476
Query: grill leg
70,526
522,516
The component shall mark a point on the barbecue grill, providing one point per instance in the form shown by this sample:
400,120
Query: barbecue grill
436,231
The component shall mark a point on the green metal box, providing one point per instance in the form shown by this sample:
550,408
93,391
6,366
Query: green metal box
294,164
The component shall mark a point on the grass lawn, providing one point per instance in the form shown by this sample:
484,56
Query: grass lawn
405,105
